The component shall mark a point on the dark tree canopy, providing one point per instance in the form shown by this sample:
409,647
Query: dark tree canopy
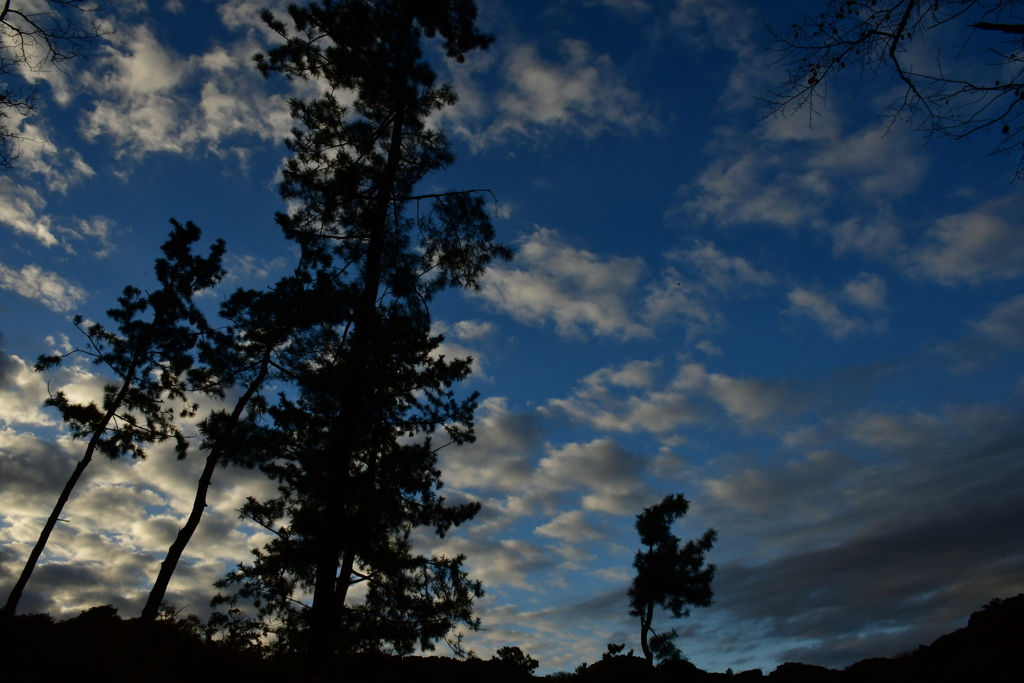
347,337
958,64
668,576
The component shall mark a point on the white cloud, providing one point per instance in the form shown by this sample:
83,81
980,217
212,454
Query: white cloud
791,489
738,190
612,474
451,351
614,574
656,411
747,400
503,454
820,309
721,271
1005,324
691,297
585,94
628,6
660,407
876,164
59,168
119,525
575,288
677,299
972,247
147,99
710,348
469,330
245,14
122,516
867,291
99,228
877,236
18,209
787,175
139,75
732,27
883,430
251,270
50,289
22,392
505,562
582,292
570,526
23,209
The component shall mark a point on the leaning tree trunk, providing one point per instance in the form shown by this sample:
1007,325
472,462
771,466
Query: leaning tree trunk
170,563
12,601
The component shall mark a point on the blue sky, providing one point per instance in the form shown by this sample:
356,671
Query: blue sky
813,332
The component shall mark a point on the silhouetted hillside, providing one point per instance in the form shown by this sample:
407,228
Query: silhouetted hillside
989,648
100,646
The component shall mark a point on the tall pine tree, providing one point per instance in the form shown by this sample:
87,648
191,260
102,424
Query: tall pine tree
351,446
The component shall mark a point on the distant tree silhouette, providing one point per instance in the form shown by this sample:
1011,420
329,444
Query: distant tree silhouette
350,446
615,651
940,93
667,575
515,659
33,37
154,362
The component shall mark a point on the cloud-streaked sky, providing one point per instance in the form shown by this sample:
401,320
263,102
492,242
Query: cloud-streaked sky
813,332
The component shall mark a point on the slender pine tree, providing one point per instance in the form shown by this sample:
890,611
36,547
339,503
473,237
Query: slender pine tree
155,365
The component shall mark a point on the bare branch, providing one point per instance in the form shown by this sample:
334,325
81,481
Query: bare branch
33,41
877,36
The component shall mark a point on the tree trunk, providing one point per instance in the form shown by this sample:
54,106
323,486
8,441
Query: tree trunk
170,563
323,616
645,628
344,580
12,601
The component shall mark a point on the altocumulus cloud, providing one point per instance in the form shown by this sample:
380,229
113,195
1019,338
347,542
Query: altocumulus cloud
584,94
584,293
48,288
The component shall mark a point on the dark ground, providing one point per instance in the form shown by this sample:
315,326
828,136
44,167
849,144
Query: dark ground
100,646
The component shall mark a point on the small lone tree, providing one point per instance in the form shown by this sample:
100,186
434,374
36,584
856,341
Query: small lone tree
671,577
